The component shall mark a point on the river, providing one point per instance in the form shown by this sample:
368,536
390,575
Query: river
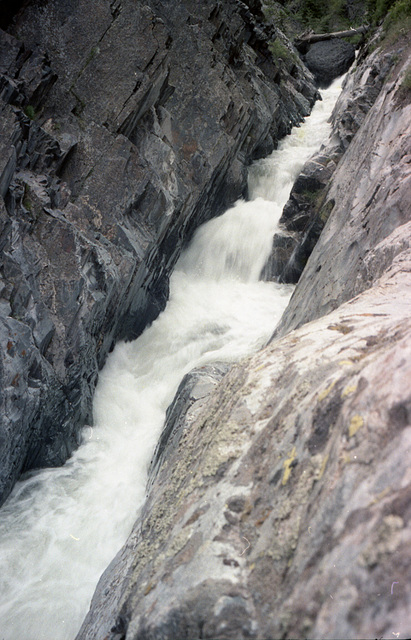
60,528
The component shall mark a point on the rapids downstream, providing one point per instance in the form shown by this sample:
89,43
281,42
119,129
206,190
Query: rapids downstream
61,527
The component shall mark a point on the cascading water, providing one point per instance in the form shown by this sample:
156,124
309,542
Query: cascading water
61,527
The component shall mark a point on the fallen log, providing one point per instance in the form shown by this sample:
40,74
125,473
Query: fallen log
310,38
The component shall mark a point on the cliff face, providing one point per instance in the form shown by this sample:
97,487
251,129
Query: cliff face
283,506
309,206
124,125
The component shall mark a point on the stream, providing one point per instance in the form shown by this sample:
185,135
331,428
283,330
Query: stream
61,527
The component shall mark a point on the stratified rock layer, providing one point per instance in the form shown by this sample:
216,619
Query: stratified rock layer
284,508
369,199
123,126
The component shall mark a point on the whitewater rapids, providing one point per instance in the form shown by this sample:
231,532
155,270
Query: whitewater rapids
60,528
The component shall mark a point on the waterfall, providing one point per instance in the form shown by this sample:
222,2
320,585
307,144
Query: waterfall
61,527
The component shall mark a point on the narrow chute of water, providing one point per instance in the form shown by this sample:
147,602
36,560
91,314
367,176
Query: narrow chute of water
61,527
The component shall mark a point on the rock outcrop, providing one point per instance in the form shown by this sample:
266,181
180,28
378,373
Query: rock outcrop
308,208
329,59
367,200
285,509
124,125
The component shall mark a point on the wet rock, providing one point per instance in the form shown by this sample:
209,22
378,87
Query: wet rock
284,246
329,59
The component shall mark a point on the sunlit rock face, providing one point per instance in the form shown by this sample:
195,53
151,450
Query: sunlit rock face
124,125
284,506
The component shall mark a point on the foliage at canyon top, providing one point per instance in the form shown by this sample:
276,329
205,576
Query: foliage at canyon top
294,16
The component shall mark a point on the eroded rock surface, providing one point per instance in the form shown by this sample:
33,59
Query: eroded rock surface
190,399
124,125
308,208
285,508
368,199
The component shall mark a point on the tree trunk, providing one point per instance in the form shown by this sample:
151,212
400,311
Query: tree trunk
310,38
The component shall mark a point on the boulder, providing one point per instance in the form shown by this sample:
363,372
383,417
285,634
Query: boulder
329,59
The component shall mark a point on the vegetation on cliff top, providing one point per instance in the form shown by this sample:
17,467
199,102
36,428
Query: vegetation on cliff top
294,16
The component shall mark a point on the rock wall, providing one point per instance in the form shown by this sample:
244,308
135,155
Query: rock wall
309,206
284,506
124,125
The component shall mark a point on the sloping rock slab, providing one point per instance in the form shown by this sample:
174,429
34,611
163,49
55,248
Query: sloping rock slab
369,197
285,511
304,215
191,396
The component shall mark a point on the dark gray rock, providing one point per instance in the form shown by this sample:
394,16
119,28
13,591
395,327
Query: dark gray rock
356,11
329,59
284,246
123,126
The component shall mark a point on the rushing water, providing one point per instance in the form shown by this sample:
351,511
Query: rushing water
61,527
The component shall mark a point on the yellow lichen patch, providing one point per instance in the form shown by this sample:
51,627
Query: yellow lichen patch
149,587
379,496
342,328
323,465
356,423
349,389
287,466
342,363
323,394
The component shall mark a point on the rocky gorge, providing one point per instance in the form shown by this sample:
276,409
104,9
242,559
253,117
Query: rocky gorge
124,126
282,506
279,495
